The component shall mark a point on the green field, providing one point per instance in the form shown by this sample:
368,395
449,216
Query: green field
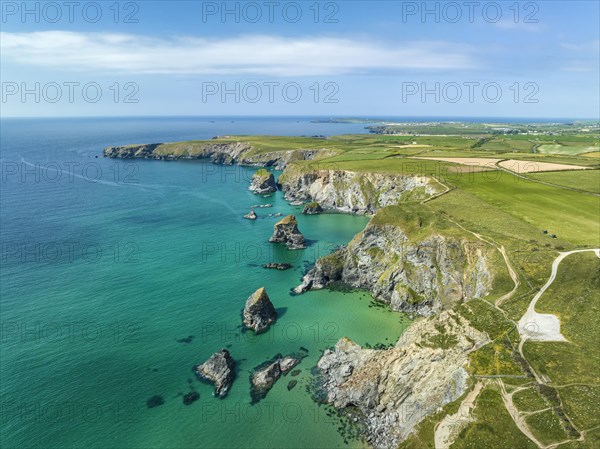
588,180
575,298
493,428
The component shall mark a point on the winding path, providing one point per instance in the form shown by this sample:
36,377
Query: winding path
544,326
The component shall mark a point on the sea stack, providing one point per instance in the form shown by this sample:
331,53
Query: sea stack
259,312
263,181
265,375
251,215
218,369
313,208
286,231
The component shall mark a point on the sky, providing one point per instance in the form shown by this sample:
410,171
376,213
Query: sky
332,58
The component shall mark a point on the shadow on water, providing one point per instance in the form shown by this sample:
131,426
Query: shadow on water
281,311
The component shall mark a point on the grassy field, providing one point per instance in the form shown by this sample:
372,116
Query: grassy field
575,298
493,428
588,180
546,427
529,400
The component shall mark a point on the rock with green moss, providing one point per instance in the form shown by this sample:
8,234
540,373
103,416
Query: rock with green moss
263,182
286,231
312,208
259,312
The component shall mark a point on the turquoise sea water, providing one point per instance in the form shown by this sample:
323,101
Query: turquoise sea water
106,264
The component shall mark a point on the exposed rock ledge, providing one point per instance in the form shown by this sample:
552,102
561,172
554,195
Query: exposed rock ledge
411,276
392,390
227,153
349,191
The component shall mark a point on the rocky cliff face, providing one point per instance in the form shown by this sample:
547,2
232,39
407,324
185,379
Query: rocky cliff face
392,390
228,153
354,192
259,312
286,231
412,276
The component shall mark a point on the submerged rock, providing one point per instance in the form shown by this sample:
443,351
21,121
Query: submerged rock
259,312
277,266
313,208
286,231
251,215
291,384
218,369
190,397
155,401
263,181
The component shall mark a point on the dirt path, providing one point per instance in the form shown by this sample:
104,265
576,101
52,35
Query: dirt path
544,326
447,429
516,416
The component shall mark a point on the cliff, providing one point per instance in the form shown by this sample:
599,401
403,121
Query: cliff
390,391
421,274
227,153
349,191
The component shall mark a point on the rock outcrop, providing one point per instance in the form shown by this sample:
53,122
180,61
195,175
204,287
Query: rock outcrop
312,208
277,266
251,215
392,390
218,369
226,152
420,276
259,312
265,375
263,182
286,231
354,192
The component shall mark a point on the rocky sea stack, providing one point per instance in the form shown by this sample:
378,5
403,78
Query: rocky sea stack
265,375
263,181
218,369
251,215
313,208
286,231
259,312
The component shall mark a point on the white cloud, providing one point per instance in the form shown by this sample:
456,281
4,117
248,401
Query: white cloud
510,24
243,55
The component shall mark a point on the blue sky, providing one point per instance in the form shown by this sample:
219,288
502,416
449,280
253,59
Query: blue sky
347,58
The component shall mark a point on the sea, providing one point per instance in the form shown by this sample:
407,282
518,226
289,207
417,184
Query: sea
119,276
